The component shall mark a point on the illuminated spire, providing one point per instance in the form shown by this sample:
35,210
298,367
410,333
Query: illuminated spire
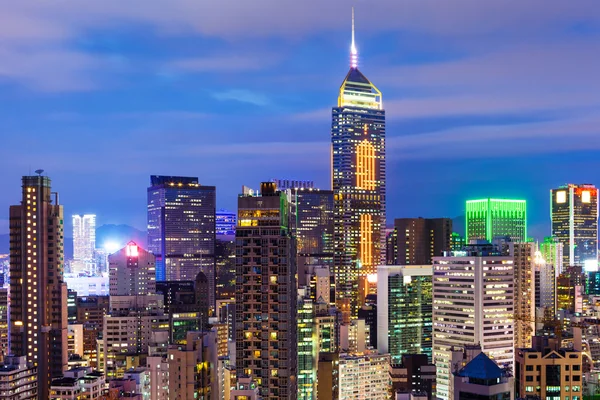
353,52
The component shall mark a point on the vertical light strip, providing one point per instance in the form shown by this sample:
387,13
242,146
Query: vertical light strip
365,166
571,226
366,240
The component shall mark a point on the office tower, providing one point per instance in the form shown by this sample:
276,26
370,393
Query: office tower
38,296
570,288
358,175
574,213
414,375
84,243
551,250
4,340
488,219
483,379
181,229
225,222
265,296
192,367
368,313
225,265
547,371
18,380
524,292
312,225
420,239
363,377
473,296
404,313
307,350
457,242
132,272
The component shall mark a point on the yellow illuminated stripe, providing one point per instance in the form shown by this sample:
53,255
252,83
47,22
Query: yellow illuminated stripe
366,240
365,166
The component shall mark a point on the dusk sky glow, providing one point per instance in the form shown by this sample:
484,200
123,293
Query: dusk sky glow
483,99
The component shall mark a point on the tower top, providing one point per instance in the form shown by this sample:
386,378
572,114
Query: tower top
353,52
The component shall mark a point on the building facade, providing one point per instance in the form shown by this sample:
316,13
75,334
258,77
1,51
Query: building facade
358,175
473,303
524,255
38,296
266,295
488,219
574,212
364,377
132,272
418,240
18,380
181,229
404,310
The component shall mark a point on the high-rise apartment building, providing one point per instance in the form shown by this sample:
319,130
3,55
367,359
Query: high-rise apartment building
358,175
488,219
473,303
19,380
307,350
181,229
544,284
4,340
574,213
524,291
364,377
418,240
38,296
266,295
84,242
404,310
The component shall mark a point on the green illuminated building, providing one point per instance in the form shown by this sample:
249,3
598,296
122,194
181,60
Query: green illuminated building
492,218
307,350
404,310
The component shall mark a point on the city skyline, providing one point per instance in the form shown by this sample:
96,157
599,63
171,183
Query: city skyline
452,84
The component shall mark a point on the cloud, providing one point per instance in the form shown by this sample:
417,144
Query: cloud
494,141
243,96
225,63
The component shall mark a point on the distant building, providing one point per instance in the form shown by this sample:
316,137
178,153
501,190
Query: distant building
88,285
4,340
420,239
404,310
488,219
284,184
574,212
181,229
457,242
84,243
38,295
524,255
551,250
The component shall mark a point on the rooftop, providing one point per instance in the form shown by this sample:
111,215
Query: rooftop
481,367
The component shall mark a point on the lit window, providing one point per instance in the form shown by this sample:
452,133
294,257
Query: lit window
586,196
561,196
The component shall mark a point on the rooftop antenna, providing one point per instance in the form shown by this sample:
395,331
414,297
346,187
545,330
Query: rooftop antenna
353,52
39,171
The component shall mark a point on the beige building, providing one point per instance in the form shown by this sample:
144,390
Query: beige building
193,367
18,379
77,384
547,371
38,295
524,292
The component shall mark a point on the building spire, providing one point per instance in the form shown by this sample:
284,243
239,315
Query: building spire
353,52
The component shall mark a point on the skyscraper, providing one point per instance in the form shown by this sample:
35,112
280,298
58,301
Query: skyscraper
181,229
551,250
225,223
574,213
38,296
358,175
473,300
84,241
404,310
488,219
266,295
524,292
417,240
132,272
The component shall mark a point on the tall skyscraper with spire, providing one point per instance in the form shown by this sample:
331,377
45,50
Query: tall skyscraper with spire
358,175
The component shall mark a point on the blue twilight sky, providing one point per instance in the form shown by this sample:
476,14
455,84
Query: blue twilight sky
483,98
